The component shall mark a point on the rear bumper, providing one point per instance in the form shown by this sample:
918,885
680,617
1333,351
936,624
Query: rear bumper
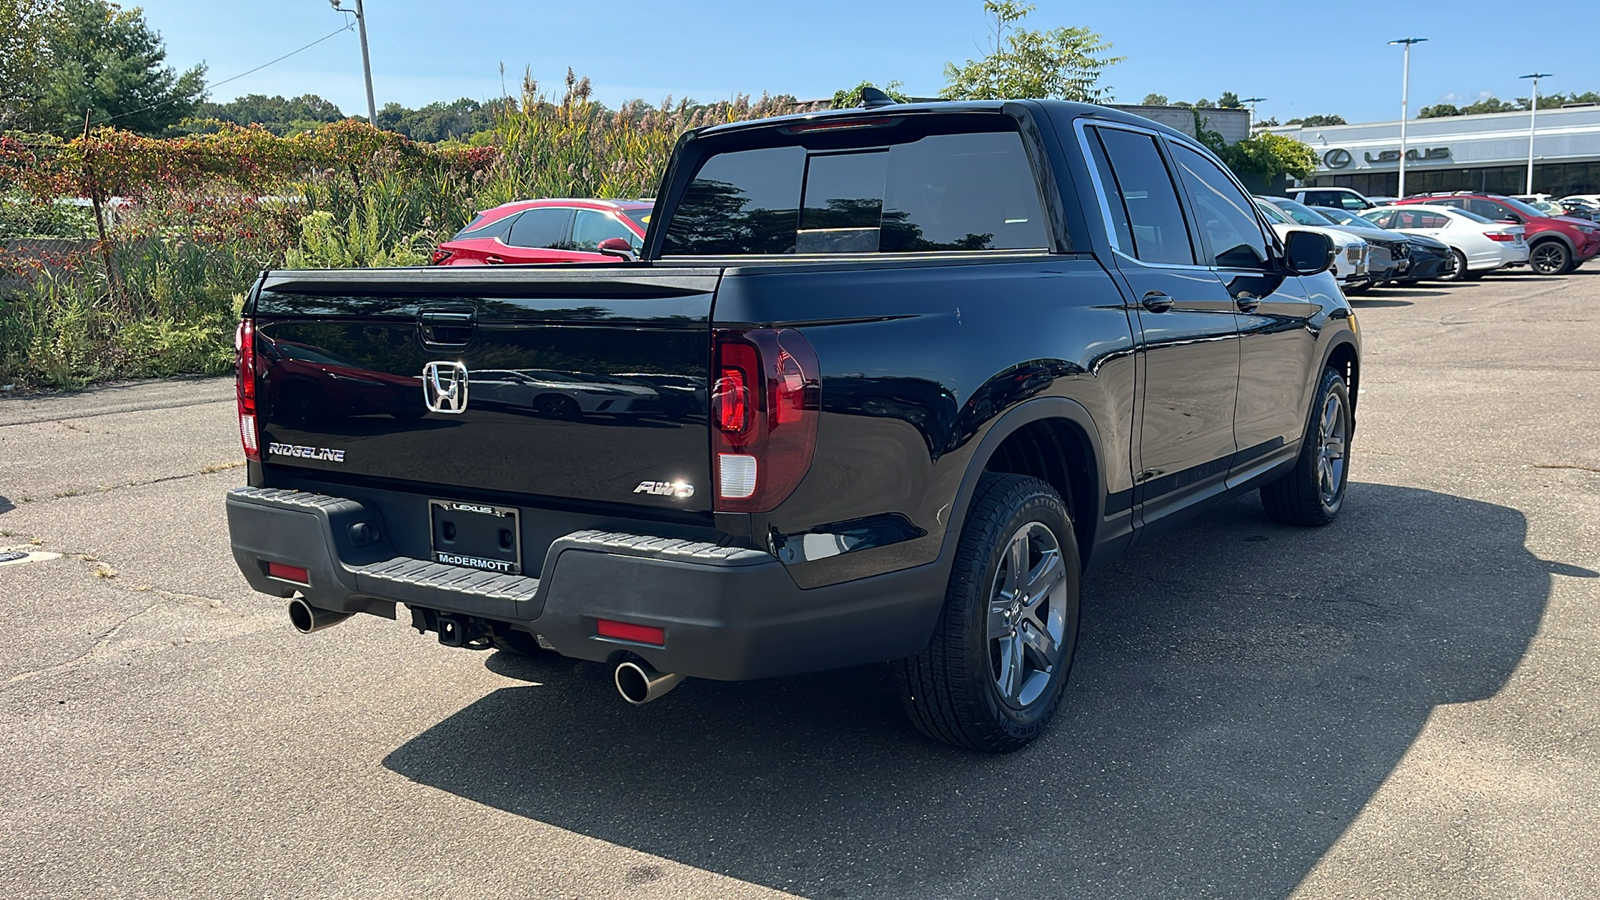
728,613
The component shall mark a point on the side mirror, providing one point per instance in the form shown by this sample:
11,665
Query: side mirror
1308,253
1509,219
618,247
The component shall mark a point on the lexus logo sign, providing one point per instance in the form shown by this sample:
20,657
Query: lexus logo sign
1337,158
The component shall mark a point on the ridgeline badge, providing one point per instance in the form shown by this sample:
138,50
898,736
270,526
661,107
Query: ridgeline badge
294,451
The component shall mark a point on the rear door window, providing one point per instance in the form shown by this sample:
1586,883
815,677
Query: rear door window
1489,209
943,192
540,229
1144,201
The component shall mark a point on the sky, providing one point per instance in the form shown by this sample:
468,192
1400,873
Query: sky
1304,59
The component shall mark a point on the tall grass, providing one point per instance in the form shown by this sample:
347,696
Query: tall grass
199,230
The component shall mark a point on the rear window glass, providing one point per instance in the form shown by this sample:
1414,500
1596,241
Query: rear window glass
942,192
481,227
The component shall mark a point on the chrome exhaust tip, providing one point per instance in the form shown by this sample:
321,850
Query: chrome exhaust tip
307,618
639,683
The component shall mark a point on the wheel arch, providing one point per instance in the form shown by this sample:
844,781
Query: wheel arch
1053,439
1553,235
1346,360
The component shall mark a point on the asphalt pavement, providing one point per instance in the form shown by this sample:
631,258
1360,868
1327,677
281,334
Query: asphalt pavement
1404,704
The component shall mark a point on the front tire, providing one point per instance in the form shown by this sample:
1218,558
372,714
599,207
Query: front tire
994,671
1312,493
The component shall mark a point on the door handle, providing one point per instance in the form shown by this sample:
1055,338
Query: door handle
494,260
447,328
1156,302
1247,302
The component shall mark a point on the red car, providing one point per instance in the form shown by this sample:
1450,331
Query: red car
548,231
1556,244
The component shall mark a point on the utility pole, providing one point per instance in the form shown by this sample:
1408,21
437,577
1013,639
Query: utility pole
1405,103
1252,101
366,58
1533,122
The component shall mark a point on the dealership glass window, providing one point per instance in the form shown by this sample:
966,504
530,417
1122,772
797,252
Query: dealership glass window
1226,215
540,229
1141,185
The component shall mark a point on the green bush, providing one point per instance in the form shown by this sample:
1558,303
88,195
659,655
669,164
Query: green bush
23,217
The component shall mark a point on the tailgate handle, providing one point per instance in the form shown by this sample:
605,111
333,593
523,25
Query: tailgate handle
447,328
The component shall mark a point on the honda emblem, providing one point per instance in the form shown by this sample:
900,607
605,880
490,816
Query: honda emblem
444,387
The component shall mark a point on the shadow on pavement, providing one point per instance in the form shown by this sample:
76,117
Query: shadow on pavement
1241,691
6,505
1367,302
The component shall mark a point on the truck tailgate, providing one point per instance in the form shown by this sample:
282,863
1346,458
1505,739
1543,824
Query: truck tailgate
588,383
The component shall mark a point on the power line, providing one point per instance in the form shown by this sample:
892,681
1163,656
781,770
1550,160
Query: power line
348,27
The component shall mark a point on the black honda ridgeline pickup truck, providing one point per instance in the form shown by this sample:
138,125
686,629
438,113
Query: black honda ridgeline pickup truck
881,386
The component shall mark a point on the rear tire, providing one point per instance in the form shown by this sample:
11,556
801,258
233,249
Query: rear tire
1550,258
994,671
1312,493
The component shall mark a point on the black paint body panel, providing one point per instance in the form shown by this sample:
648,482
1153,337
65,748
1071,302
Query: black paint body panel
929,363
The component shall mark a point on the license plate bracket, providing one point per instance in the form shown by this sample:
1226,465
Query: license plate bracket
476,535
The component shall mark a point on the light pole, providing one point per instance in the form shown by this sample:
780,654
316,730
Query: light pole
1533,121
1252,101
1405,102
366,59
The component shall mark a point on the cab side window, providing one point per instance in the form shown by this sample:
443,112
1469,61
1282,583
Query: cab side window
540,229
1226,215
589,228
1144,205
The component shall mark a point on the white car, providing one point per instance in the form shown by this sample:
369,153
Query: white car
1335,197
1481,246
1350,252
562,395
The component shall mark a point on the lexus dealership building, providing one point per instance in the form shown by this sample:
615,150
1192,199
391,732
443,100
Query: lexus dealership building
1461,153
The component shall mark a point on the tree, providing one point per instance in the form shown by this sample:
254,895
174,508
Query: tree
1064,62
279,115
24,56
1486,105
1263,155
1154,100
1315,121
110,62
1229,100
847,99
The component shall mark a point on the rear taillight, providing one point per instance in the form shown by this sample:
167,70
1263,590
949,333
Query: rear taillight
442,256
765,404
1500,236
244,341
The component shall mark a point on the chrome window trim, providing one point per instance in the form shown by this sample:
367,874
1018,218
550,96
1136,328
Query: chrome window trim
1082,125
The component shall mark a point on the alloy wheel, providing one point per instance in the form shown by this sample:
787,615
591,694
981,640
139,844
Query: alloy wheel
1027,615
1332,434
1549,258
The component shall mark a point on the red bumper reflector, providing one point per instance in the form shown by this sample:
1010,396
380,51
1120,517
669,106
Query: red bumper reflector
627,631
289,573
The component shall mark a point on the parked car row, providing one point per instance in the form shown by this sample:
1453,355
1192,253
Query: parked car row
1484,231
